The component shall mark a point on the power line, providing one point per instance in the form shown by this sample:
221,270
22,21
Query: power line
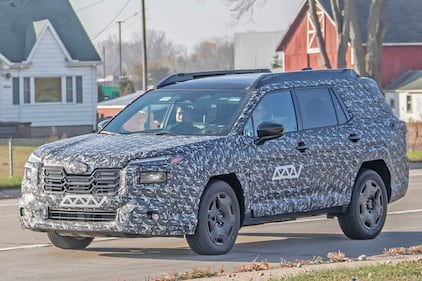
111,22
91,5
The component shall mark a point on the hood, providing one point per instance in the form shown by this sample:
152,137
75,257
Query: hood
83,154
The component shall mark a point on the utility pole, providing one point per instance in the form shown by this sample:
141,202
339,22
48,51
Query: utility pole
120,49
144,48
104,63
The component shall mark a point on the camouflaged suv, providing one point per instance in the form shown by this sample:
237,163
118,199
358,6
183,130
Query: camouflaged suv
203,154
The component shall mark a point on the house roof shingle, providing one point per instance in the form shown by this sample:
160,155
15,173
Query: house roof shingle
409,81
18,29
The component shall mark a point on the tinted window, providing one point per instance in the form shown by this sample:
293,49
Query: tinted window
185,112
341,115
275,107
316,107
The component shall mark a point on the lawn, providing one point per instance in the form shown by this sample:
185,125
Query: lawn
410,270
20,155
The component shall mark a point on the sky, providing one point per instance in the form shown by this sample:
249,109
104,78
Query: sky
184,22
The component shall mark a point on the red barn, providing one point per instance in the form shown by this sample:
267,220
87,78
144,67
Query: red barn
402,47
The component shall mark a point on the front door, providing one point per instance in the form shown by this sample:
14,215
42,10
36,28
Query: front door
279,169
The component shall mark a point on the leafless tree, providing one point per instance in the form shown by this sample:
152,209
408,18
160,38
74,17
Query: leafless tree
320,37
165,57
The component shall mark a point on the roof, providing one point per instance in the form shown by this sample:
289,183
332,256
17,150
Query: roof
409,81
251,81
21,22
400,19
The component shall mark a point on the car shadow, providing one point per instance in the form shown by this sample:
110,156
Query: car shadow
274,247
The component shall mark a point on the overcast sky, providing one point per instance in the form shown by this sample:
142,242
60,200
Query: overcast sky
185,22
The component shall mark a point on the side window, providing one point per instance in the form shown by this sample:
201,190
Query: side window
316,107
274,107
341,115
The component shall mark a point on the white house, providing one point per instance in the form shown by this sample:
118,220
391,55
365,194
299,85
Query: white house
405,96
48,69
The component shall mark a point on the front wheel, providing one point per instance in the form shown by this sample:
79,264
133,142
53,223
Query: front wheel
68,242
218,221
366,214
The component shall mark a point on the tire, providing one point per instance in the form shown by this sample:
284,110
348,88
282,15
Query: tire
366,214
68,242
218,221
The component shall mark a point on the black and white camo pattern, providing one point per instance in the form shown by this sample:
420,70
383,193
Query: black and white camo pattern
326,177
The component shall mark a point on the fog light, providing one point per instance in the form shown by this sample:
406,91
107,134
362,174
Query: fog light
152,177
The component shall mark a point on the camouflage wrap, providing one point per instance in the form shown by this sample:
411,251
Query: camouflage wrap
170,208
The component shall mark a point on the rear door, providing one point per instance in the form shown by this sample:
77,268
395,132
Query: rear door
327,142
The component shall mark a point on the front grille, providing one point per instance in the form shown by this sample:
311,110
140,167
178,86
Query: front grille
81,215
55,179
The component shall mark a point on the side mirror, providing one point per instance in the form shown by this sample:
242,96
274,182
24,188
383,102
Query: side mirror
268,131
102,124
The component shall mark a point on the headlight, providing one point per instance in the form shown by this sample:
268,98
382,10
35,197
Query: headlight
31,168
157,161
152,177
34,159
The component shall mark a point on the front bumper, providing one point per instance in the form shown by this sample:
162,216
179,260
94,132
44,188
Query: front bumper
166,209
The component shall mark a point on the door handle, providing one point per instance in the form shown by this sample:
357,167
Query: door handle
301,146
354,137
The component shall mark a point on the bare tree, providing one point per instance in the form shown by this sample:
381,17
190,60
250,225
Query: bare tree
320,37
376,32
239,8
341,14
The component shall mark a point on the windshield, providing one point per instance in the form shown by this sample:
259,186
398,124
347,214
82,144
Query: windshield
184,112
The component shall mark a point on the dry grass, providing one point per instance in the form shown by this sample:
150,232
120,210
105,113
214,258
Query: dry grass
336,256
254,266
196,273
398,251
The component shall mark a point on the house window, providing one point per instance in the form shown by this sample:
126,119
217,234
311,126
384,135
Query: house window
26,90
47,90
392,104
50,89
69,89
409,104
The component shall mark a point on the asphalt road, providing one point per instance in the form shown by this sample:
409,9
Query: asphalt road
27,255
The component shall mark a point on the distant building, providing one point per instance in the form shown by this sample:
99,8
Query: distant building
48,70
256,49
109,108
405,96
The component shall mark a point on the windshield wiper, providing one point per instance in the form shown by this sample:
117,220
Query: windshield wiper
108,133
164,132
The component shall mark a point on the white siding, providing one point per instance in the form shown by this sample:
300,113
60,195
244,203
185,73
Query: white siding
9,111
256,49
415,114
48,60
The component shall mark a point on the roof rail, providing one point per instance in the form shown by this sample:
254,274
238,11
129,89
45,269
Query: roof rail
181,77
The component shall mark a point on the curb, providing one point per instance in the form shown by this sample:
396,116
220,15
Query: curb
10,193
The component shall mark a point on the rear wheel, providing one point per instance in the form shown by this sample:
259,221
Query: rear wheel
218,221
366,214
68,242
